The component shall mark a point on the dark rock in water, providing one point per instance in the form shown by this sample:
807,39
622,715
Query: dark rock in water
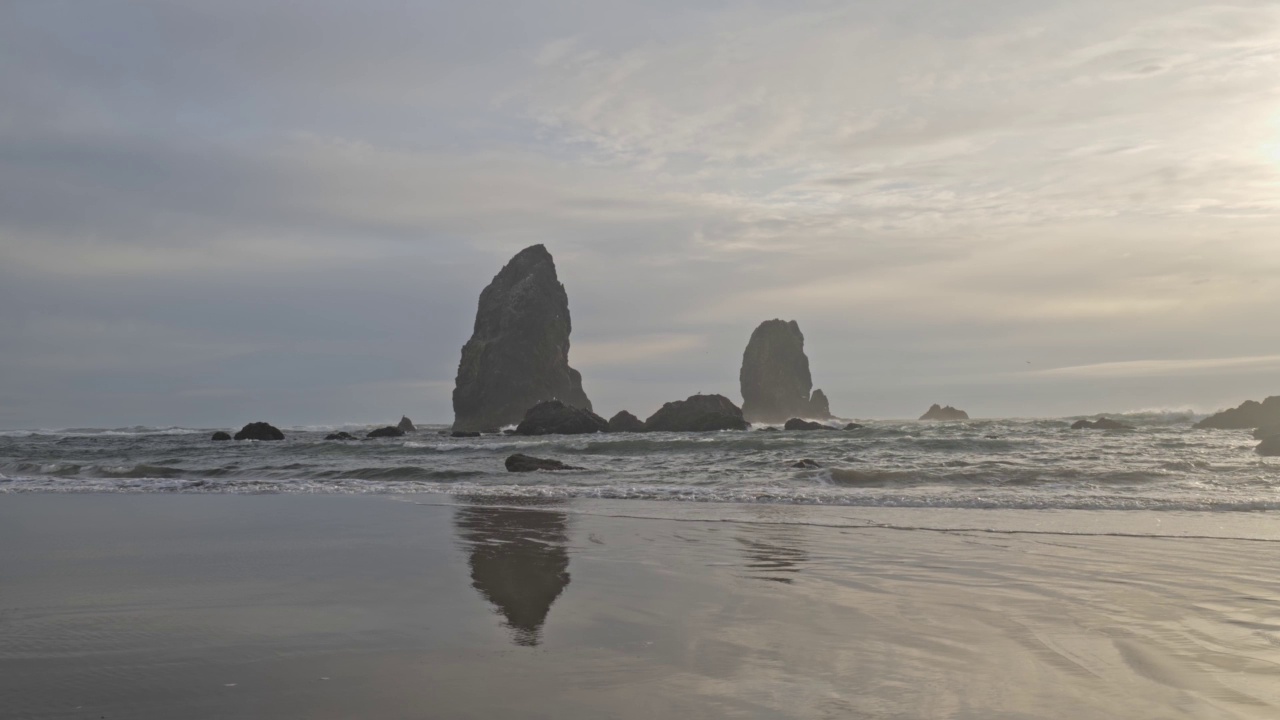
526,463
220,435
937,412
769,429
775,379
341,435
625,422
1099,424
806,464
699,413
406,424
853,426
1251,414
467,433
1269,447
553,417
798,424
518,354
1266,431
259,431
388,431
443,432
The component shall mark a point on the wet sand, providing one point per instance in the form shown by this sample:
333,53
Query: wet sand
286,606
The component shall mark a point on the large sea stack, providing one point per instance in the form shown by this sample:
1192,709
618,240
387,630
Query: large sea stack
518,354
775,376
1251,414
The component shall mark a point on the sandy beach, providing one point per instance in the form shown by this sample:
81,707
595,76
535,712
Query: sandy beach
167,606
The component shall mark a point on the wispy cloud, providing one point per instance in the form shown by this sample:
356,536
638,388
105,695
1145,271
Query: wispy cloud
1164,368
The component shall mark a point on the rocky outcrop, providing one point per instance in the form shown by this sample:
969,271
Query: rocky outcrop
259,431
1251,414
937,412
553,417
518,354
406,425
775,379
625,422
383,432
1269,447
1266,431
699,413
1099,424
465,434
798,424
340,435
220,436
528,463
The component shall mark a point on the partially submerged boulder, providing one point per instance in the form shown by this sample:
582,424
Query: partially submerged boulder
1266,431
518,354
625,422
1249,415
806,464
340,435
259,431
1099,424
467,433
220,436
798,424
553,417
1269,447
384,432
699,413
938,412
775,379
853,426
406,424
528,463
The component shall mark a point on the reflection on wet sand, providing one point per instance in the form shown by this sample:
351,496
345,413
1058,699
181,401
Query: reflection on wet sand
773,552
518,561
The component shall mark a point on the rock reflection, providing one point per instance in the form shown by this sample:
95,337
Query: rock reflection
519,561
774,553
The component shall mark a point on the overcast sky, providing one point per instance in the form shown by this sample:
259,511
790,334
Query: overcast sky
217,212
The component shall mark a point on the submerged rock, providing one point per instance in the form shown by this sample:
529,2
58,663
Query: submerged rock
1266,431
259,431
553,417
467,433
1099,424
806,464
775,379
937,412
340,435
406,424
798,424
528,463
1269,447
388,431
699,413
518,354
220,436
853,426
625,422
1249,415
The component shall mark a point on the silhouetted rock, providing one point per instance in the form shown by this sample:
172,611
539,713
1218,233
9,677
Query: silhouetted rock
1250,414
220,436
406,424
467,433
518,354
527,463
553,417
699,413
806,464
775,379
340,435
1269,447
1266,431
383,432
259,431
769,428
1099,424
853,426
798,424
625,422
937,412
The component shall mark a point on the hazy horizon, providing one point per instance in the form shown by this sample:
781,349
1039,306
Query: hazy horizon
212,214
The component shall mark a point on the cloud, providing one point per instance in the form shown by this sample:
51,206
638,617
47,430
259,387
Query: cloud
1164,368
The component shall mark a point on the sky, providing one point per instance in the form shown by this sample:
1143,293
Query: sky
219,212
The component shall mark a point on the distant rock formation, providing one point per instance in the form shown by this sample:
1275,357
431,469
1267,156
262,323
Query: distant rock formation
1099,424
340,435
259,431
937,412
798,424
625,422
388,431
220,436
528,463
553,417
1251,414
1269,447
518,354
775,377
699,413
406,424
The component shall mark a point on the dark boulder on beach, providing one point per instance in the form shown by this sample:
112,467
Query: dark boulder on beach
806,464
699,413
937,412
340,435
553,417
775,379
1099,424
1249,415
518,354
259,431
625,422
798,424
220,436
528,463
406,424
384,432
1269,447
